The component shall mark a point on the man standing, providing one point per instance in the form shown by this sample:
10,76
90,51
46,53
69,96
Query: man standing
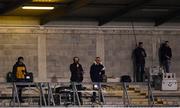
77,75
19,71
97,72
140,55
166,55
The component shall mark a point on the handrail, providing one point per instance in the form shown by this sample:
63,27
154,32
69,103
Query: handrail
42,95
101,95
75,93
43,86
50,95
63,83
15,95
151,100
126,95
151,94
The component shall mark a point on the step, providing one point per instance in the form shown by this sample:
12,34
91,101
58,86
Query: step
139,103
133,86
139,100
133,94
159,102
113,94
137,97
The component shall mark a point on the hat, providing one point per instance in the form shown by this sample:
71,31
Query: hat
20,58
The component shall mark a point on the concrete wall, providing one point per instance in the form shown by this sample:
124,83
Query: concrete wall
48,51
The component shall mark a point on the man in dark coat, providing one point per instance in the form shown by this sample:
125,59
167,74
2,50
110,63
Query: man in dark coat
97,72
165,56
77,75
19,71
76,71
139,56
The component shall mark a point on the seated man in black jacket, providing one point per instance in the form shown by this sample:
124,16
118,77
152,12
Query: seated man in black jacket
97,72
19,71
77,74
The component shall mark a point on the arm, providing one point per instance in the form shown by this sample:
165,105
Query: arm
135,53
91,73
103,70
71,68
25,69
170,53
145,55
14,71
81,69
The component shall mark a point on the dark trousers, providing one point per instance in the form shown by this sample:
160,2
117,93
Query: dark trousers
94,93
140,72
20,93
166,65
78,87
20,88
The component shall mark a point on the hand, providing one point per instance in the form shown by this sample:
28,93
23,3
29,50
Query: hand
167,57
103,69
143,53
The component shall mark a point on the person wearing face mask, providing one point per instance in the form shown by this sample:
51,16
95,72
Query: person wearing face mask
19,71
97,71
77,75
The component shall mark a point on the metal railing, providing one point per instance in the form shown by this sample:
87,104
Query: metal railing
46,93
126,96
150,93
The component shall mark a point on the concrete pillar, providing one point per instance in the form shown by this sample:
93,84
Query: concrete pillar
42,73
100,47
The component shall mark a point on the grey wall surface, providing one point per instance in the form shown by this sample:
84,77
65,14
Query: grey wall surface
61,48
13,45
49,51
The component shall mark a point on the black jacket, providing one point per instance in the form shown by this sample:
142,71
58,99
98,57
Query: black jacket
76,72
19,71
165,53
96,72
139,55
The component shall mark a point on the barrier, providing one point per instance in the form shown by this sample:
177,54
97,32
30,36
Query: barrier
45,94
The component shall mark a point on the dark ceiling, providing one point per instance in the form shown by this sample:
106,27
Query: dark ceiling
103,11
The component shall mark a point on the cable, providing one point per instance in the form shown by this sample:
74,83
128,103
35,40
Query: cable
134,34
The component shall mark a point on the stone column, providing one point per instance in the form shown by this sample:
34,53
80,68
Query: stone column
42,74
100,46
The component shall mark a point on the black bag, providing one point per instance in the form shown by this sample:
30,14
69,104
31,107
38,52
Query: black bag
29,77
126,78
10,77
104,78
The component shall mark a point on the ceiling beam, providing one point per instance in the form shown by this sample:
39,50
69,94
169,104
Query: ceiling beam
6,1
59,12
13,5
136,4
166,18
